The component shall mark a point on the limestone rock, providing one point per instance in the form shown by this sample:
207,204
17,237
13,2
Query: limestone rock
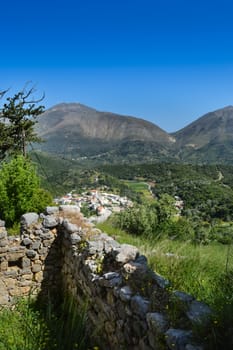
51,210
27,241
31,253
69,209
50,221
74,238
125,253
71,228
28,219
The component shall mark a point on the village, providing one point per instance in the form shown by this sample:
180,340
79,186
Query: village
99,204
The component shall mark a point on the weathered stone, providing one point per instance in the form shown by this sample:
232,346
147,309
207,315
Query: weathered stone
15,256
111,279
43,250
3,242
95,269
177,339
125,253
38,232
27,241
47,242
38,276
51,210
140,305
27,274
70,228
10,283
47,235
3,249
157,322
11,273
4,297
74,238
36,245
125,293
50,221
25,283
28,219
161,281
31,253
2,223
25,262
182,297
36,268
3,265
136,269
3,233
69,209
95,247
198,312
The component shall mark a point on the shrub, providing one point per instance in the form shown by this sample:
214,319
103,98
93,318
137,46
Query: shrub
20,190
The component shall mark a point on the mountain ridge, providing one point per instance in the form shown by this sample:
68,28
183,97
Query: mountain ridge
79,130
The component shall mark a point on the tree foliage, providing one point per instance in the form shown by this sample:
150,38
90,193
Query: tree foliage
148,219
20,190
17,121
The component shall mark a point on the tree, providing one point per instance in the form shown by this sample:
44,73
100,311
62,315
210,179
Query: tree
20,190
17,121
165,208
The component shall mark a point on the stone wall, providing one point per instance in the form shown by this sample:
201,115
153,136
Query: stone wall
129,306
27,260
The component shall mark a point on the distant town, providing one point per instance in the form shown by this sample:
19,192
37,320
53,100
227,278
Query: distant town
100,204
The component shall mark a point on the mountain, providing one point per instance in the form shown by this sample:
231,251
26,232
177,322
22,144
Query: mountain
208,139
77,131
74,131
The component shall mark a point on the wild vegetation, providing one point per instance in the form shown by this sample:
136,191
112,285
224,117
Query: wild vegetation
193,250
20,189
29,326
204,271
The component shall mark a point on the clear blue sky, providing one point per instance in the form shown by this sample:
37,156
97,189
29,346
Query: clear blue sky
167,61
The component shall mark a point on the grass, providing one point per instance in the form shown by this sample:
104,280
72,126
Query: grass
195,269
204,271
139,187
27,326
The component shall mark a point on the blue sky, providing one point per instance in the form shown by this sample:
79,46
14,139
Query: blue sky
167,61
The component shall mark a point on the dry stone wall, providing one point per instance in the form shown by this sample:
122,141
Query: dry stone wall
128,305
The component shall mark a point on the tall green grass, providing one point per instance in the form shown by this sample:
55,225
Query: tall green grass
29,327
195,269
204,271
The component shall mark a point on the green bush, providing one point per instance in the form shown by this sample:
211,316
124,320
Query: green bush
20,190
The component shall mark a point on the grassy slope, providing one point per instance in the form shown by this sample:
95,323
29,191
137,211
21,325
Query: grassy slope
193,269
